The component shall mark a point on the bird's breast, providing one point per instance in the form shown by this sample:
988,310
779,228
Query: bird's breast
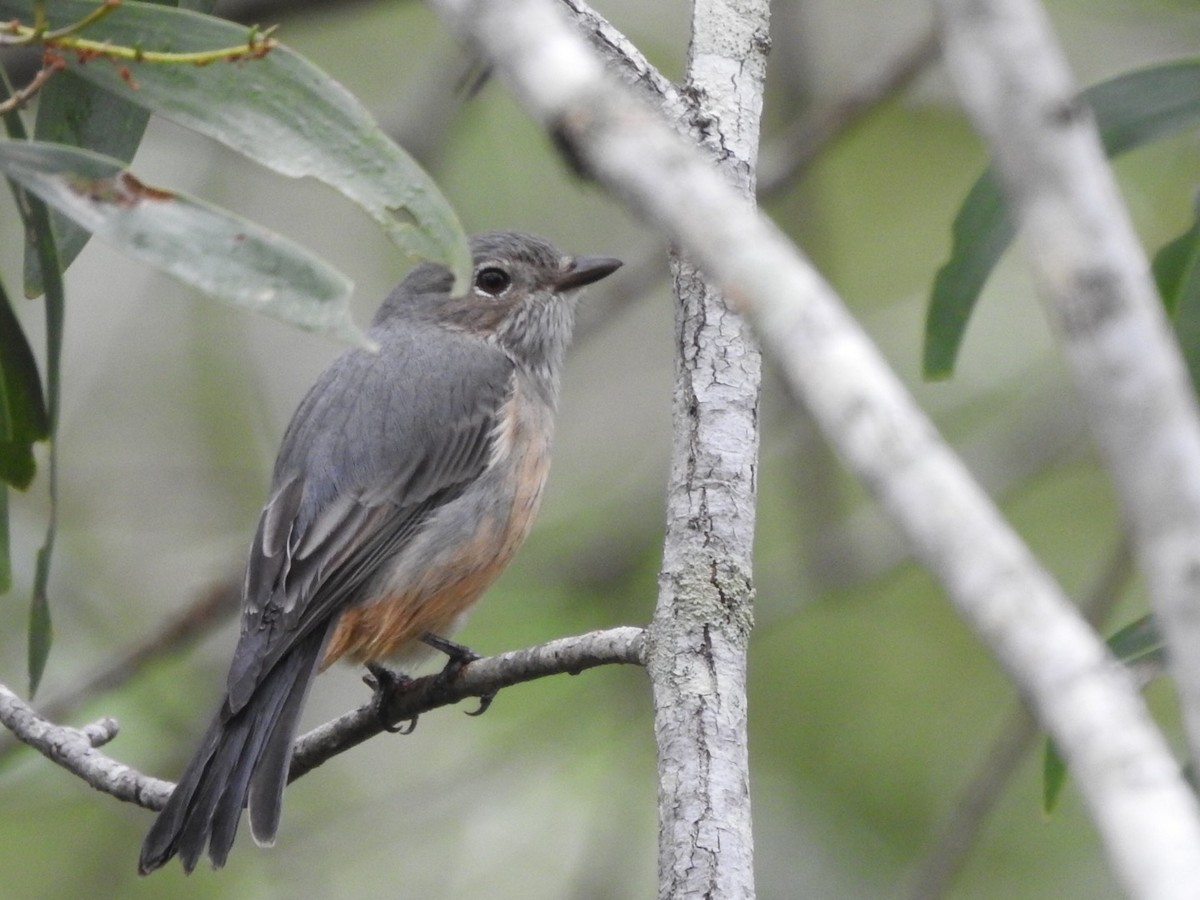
461,548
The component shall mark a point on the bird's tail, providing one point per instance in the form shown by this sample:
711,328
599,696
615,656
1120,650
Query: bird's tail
244,757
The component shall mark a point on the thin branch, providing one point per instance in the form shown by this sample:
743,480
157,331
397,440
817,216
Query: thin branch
627,61
481,678
1146,815
21,97
1095,281
210,609
793,152
75,749
783,160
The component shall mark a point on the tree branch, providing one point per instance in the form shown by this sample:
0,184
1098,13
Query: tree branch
1095,280
75,749
480,678
700,633
1146,815
207,611
798,147
627,61
784,159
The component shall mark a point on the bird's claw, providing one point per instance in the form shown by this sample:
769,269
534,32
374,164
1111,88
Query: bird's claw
385,683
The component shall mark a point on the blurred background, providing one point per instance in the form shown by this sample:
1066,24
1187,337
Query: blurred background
871,705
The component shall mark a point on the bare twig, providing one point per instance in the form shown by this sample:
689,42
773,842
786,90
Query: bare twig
793,152
210,609
484,676
21,97
75,749
784,158
627,61
1145,813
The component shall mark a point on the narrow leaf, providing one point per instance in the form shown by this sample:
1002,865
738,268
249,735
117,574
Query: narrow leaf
1131,110
279,110
73,111
23,419
1175,264
1177,273
37,224
41,630
1054,777
5,553
203,246
36,219
1138,642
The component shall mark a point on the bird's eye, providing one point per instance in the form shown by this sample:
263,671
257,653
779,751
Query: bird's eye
493,280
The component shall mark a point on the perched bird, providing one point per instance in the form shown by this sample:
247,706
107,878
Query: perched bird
406,481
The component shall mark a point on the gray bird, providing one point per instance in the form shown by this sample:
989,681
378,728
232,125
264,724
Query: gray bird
406,481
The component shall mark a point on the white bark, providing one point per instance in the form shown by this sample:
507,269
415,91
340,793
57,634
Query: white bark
1146,815
1095,280
696,645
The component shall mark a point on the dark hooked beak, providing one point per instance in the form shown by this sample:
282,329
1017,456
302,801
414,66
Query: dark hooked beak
584,270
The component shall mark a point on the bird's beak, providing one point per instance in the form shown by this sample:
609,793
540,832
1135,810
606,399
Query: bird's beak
583,270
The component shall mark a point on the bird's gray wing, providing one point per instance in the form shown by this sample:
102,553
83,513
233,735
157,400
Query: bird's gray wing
378,444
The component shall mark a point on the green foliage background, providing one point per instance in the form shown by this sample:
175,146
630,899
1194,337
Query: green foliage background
870,702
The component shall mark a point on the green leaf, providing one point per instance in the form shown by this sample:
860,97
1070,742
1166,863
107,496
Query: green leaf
1131,110
73,111
5,555
23,419
979,236
1175,266
1138,642
1054,777
36,217
211,249
280,110
1177,274
41,630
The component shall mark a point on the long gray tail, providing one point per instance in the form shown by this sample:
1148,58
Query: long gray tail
244,756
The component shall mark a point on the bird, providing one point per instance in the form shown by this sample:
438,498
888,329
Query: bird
409,476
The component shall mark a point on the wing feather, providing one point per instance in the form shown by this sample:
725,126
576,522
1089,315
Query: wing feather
372,451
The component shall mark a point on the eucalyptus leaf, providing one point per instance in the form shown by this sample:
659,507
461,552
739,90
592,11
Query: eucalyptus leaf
36,216
41,628
1054,777
1138,642
23,419
1177,274
5,553
73,111
209,248
279,110
1131,110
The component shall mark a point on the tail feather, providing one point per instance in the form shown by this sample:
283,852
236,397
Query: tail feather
239,753
270,776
